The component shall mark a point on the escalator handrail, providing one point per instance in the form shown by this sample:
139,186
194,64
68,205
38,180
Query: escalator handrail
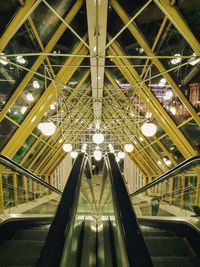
21,170
182,166
52,250
136,248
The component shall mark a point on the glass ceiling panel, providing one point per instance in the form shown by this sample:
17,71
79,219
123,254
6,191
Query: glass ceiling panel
46,22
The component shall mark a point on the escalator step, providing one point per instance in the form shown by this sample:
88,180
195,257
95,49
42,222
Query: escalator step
168,247
176,261
20,253
34,235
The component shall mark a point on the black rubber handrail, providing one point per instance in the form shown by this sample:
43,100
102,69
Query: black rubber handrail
182,166
21,170
137,252
64,217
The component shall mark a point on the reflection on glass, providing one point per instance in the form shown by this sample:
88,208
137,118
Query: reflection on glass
192,132
178,195
20,194
7,129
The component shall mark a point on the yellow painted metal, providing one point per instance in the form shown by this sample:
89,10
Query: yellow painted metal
31,149
52,42
182,204
25,188
15,185
107,115
52,160
1,194
123,113
37,112
49,168
124,98
178,21
21,16
153,104
198,191
69,99
143,43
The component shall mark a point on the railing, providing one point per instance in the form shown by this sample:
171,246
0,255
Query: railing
175,193
63,222
127,226
23,192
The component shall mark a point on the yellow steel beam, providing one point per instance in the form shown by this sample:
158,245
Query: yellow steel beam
52,164
139,160
128,133
178,21
137,131
42,105
49,157
73,94
17,21
153,104
52,42
143,43
57,131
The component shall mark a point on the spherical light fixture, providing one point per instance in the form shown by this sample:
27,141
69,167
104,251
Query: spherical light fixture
23,110
128,148
67,147
36,84
121,155
117,158
97,155
74,154
47,128
148,129
98,138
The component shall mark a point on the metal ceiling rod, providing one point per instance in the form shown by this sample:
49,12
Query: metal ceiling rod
71,29
130,21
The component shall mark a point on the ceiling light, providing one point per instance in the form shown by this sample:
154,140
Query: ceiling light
52,107
148,129
97,155
36,84
3,59
176,60
67,147
21,60
141,139
194,61
167,161
74,154
148,115
47,128
128,148
121,155
173,110
168,95
162,82
23,110
98,138
94,49
60,141
30,97
159,162
117,158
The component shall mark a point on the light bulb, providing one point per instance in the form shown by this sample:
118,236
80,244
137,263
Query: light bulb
148,129
97,155
21,60
74,154
98,138
117,158
173,110
36,84
23,110
67,147
121,155
128,148
30,97
3,59
47,128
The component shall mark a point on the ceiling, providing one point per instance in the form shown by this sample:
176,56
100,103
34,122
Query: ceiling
103,66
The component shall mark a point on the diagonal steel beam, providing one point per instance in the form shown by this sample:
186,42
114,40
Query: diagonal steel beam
37,112
154,105
178,21
52,42
143,43
17,21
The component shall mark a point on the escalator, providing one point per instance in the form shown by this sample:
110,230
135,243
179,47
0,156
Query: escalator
96,222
